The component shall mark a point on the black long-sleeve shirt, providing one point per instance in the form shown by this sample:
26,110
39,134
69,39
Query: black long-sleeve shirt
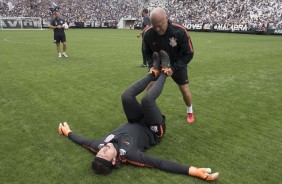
175,41
132,140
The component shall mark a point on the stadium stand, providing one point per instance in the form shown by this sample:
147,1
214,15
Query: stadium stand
252,12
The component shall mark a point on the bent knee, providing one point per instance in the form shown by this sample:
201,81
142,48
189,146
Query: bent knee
126,96
146,100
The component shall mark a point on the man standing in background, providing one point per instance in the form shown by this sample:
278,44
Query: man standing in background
59,34
145,25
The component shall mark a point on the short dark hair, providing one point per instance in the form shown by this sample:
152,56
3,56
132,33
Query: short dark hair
102,166
145,10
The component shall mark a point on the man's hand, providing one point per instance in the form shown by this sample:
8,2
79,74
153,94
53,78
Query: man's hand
64,129
203,173
59,26
138,35
168,71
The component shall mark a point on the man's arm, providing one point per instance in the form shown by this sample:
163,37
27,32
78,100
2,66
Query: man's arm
90,144
143,31
53,26
141,159
147,24
186,51
144,160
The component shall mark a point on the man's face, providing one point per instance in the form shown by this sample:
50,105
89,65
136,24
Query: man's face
107,152
159,24
57,14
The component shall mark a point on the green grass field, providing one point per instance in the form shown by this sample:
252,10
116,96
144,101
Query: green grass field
235,81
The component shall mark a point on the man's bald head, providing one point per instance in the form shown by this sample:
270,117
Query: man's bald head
159,20
158,13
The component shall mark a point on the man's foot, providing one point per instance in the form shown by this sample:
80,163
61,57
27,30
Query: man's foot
64,129
59,55
143,65
190,118
203,173
65,55
156,65
165,60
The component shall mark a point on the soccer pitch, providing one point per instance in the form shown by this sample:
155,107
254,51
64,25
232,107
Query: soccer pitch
235,80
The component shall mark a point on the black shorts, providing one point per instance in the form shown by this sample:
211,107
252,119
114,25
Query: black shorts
59,38
180,77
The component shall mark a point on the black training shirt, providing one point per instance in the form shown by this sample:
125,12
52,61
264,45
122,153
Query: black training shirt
131,140
58,22
175,41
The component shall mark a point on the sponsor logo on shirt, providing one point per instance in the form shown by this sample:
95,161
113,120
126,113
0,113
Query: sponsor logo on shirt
122,152
154,128
109,138
127,143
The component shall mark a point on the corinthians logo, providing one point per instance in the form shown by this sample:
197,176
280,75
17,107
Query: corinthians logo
172,42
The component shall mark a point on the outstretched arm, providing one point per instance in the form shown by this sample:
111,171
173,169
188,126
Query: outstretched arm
90,144
144,160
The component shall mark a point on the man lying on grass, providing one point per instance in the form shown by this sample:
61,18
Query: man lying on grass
145,128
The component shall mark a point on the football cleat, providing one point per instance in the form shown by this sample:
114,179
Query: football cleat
156,64
59,55
65,55
143,65
165,60
190,118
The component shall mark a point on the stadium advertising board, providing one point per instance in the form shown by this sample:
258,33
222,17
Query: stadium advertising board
193,26
234,28
274,29
12,24
85,25
231,27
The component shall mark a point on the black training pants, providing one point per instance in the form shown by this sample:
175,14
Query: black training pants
148,108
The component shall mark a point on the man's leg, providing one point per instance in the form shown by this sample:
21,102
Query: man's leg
65,49
131,106
64,46
58,49
64,41
181,78
144,64
185,91
152,113
150,85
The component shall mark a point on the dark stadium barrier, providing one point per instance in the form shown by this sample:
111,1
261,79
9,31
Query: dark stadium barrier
206,27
